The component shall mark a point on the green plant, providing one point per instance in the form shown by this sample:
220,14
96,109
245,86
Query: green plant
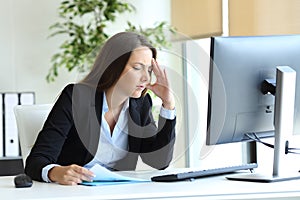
84,23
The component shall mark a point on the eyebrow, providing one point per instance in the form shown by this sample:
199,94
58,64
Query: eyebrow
143,65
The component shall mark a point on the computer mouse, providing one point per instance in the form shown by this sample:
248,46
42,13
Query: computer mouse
22,181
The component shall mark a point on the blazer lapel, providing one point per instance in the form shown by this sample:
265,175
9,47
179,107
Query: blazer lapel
87,102
134,139
134,127
95,116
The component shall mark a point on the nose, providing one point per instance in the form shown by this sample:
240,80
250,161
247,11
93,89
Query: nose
146,76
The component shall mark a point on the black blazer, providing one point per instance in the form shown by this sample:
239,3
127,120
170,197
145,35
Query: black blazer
70,134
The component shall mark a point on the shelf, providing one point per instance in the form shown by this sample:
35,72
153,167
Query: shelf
11,166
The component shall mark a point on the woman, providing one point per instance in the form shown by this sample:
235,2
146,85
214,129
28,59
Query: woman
106,118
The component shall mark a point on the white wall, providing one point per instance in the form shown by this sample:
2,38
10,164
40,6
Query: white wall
25,50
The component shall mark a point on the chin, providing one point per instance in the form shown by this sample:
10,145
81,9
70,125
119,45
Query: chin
136,95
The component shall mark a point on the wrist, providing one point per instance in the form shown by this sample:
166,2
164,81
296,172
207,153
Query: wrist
169,105
51,174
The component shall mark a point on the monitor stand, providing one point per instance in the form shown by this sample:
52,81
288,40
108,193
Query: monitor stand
284,118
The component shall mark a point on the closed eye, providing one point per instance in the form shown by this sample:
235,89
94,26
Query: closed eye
137,67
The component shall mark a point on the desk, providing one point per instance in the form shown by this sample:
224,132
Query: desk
217,187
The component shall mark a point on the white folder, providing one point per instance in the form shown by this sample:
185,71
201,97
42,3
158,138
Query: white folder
10,131
1,127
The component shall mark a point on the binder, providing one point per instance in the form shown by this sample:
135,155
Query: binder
26,98
9,139
10,128
1,126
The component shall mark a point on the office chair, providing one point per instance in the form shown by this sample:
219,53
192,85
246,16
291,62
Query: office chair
30,120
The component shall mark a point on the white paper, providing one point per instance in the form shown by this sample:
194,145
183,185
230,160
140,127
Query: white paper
103,174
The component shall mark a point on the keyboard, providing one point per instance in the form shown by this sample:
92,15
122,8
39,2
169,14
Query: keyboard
202,173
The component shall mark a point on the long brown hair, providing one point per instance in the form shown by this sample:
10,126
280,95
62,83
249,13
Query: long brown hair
113,58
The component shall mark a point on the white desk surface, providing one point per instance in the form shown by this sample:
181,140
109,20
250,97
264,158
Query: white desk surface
217,187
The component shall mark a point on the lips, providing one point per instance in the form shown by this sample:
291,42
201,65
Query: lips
141,87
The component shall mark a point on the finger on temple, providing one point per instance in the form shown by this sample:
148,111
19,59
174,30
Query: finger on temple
156,69
165,74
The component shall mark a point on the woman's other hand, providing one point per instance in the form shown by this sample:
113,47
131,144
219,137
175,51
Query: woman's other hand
70,175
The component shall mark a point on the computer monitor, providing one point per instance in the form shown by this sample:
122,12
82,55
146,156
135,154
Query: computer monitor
237,106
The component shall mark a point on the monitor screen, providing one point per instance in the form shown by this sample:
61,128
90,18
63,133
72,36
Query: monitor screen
239,65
